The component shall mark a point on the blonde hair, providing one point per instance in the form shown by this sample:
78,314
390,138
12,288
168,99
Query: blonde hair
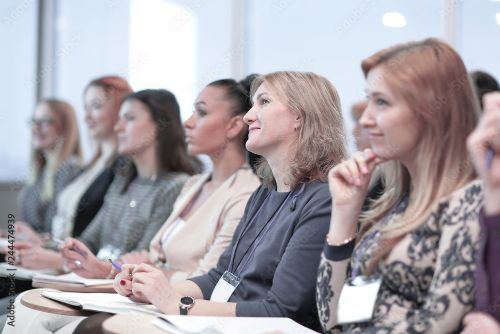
431,78
321,138
68,145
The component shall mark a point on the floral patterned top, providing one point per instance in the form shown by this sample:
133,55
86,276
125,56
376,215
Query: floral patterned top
427,277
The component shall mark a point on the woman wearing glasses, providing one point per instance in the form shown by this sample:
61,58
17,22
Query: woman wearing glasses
55,161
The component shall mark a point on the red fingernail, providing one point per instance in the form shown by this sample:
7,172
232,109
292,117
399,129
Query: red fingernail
122,282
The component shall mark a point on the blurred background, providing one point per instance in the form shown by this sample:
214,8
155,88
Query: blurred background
55,47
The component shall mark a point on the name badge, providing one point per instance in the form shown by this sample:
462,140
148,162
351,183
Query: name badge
357,299
225,287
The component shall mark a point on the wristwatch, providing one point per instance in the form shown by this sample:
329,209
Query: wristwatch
185,304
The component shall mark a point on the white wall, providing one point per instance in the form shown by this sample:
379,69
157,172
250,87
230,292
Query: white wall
182,45
92,39
332,37
479,42
18,37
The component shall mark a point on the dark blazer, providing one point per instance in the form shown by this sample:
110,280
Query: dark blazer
93,198
278,276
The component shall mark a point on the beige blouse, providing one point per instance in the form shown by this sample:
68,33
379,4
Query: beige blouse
196,246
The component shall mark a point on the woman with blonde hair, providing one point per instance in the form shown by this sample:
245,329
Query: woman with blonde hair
413,259
80,200
55,161
295,124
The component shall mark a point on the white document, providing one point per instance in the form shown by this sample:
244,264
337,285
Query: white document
22,273
222,291
100,302
357,302
71,278
178,324
4,242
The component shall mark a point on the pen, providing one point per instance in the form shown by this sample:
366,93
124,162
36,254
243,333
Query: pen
74,248
58,241
489,157
116,265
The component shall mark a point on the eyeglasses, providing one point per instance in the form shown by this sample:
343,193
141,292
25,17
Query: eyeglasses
43,122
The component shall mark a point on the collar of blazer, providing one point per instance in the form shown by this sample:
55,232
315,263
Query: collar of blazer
195,188
183,201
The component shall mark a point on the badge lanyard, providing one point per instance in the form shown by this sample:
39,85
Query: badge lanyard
229,281
257,239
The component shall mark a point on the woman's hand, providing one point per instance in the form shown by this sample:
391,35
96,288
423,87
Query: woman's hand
40,258
82,261
12,253
24,232
486,137
477,322
149,283
348,183
349,179
136,257
123,281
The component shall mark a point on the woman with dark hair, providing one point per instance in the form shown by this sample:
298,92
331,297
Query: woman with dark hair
140,198
484,83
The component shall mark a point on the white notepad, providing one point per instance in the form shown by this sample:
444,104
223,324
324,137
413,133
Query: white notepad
6,270
71,278
4,242
100,302
177,324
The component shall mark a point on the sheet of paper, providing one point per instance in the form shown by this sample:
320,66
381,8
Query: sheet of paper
4,242
22,273
71,278
103,302
247,325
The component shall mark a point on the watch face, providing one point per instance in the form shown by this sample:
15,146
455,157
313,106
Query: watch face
187,301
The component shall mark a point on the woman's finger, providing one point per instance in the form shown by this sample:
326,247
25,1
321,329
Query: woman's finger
361,162
73,256
125,285
128,269
140,277
353,168
138,292
342,172
23,245
143,268
491,103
